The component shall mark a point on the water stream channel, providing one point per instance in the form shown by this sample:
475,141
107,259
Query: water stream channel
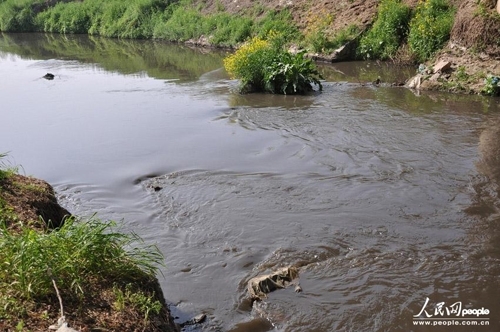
381,196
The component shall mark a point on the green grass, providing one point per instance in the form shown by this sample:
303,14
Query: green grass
388,31
82,257
141,19
80,252
128,296
123,19
430,27
221,29
319,39
5,169
17,15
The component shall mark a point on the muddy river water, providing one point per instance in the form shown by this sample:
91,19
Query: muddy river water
386,200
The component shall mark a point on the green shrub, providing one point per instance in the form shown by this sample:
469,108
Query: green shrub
183,24
263,65
17,16
65,18
430,27
280,23
247,62
389,30
291,74
225,29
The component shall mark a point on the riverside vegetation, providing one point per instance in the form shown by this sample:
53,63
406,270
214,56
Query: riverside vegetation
119,291
105,278
408,31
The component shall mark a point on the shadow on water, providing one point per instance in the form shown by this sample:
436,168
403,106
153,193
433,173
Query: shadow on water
486,188
156,59
365,72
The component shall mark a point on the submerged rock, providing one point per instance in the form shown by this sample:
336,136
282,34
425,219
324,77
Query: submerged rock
415,82
260,286
195,320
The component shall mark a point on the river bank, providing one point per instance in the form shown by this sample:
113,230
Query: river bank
324,29
38,234
348,182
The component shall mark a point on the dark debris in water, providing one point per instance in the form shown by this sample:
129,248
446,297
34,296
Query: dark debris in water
49,76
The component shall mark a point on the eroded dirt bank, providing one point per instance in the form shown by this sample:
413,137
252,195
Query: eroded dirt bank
473,49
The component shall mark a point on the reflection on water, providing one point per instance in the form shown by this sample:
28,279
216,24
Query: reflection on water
381,197
365,72
155,59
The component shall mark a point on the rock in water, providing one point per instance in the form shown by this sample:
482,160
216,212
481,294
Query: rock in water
259,286
49,76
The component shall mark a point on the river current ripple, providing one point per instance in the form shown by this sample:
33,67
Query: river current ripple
382,198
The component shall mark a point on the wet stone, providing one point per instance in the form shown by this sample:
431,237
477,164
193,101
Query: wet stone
259,286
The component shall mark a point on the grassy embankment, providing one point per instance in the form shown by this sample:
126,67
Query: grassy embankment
105,279
144,19
399,32
395,25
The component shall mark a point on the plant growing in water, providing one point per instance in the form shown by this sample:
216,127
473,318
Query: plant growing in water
264,65
291,74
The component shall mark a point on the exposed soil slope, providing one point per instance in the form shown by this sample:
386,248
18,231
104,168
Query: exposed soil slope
474,42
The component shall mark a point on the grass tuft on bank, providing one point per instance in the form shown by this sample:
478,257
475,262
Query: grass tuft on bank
106,278
388,31
78,255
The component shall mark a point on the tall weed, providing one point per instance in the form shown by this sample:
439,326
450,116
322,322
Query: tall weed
388,31
279,23
183,24
72,17
17,15
114,18
78,251
189,23
430,27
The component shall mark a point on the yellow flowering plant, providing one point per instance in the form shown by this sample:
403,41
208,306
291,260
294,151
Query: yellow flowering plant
263,65
388,31
430,27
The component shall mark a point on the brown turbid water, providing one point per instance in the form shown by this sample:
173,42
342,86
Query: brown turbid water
382,198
